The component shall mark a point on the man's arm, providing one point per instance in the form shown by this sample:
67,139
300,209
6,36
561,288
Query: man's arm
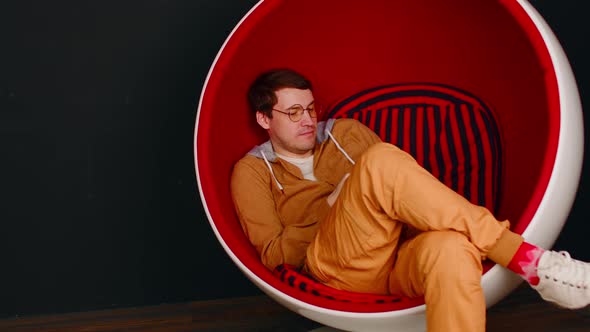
251,189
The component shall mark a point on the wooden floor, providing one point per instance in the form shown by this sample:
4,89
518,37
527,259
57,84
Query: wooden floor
522,311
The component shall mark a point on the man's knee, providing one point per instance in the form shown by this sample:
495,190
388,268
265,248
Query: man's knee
452,257
385,154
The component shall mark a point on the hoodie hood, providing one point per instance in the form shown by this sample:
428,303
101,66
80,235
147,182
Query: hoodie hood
265,150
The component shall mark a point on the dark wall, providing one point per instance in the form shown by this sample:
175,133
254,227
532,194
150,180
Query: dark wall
99,205
570,24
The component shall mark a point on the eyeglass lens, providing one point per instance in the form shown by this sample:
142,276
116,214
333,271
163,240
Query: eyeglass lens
296,112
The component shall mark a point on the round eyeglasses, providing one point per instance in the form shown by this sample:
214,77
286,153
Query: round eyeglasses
296,111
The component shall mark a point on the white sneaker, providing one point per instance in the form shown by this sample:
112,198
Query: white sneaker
563,280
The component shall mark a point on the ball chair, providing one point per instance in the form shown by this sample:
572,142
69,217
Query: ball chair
501,51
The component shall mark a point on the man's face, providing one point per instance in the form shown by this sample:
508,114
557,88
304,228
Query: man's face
291,139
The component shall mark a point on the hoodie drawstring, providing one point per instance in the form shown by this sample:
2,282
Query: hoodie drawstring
333,140
340,148
271,171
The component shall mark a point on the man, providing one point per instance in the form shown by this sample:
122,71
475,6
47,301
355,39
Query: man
334,199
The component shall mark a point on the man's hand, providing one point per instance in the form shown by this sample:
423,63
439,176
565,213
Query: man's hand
332,198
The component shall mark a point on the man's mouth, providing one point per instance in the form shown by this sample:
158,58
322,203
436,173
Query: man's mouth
307,132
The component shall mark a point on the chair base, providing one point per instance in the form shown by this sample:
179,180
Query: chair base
326,329
418,328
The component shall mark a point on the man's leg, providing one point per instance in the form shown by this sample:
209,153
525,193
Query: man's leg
445,268
355,245
354,248
423,202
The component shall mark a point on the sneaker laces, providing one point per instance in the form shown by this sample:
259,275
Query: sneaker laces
563,268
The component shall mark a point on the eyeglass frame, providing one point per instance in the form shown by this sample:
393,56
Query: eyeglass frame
289,114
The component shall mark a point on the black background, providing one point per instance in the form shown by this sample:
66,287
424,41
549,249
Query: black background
99,205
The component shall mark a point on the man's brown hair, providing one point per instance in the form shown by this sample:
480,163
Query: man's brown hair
261,94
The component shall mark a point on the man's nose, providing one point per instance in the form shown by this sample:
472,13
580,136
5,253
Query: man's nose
306,119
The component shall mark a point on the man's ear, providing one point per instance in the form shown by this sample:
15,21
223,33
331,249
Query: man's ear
262,120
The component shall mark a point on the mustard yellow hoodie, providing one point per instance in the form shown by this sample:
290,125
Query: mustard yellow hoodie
278,209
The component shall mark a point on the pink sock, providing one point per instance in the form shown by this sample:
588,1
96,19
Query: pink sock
524,263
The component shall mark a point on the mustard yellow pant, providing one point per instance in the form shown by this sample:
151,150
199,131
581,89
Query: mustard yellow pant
364,244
